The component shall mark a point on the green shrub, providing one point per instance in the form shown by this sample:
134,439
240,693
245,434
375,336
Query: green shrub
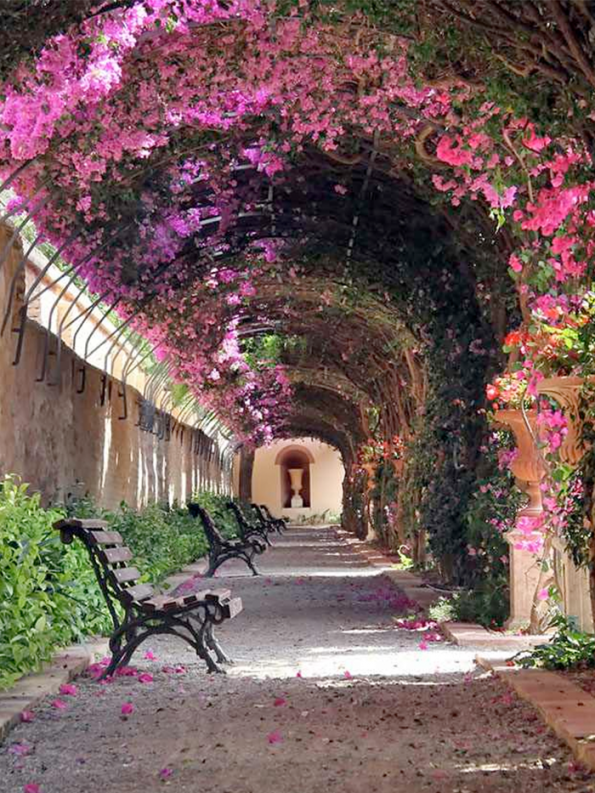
487,605
224,518
49,596
569,649
48,592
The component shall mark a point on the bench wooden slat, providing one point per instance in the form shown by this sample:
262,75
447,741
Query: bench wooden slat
113,555
107,537
138,593
162,603
81,523
231,608
216,594
125,574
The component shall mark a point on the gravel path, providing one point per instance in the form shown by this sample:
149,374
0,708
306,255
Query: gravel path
328,693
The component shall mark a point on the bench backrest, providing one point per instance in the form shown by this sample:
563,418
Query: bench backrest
109,557
261,516
240,517
212,533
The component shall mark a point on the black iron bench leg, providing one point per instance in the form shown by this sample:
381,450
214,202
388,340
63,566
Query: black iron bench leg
248,559
203,648
213,644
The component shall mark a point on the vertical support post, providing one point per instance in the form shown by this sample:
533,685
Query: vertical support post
246,470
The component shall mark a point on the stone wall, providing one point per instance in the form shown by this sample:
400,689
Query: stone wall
62,442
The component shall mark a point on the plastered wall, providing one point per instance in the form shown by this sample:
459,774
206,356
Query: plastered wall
326,477
62,442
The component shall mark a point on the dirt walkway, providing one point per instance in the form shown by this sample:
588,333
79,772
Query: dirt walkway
327,693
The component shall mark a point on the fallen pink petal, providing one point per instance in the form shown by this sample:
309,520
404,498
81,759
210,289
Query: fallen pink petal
20,749
279,702
145,677
166,773
68,690
150,656
59,704
127,708
27,716
274,737
32,787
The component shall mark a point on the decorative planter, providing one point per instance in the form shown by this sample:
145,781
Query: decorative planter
528,470
527,467
296,476
566,391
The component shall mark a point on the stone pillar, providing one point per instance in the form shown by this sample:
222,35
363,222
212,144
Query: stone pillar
246,468
524,569
529,471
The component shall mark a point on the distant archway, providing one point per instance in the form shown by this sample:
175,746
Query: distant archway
290,458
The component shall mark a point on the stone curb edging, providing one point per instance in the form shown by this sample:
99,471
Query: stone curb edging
469,634
409,583
66,665
29,690
565,707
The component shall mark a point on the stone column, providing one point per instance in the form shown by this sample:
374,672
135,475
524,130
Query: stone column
529,471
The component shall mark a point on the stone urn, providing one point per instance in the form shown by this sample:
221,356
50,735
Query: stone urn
529,470
296,476
527,467
566,392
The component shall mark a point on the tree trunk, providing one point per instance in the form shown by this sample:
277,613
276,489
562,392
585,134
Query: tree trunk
246,469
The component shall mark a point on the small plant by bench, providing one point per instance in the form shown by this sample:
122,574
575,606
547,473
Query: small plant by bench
221,549
246,528
137,610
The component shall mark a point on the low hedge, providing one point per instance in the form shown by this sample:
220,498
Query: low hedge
48,593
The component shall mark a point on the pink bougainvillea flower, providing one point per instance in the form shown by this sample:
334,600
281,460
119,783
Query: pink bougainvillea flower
166,773
543,594
27,716
347,675
127,671
423,645
20,749
298,674
145,677
59,704
180,670
95,671
32,787
68,690
274,737
127,709
279,702
150,656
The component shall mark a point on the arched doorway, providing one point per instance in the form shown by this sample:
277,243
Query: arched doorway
294,468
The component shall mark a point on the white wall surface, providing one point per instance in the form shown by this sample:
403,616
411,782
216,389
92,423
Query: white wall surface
326,478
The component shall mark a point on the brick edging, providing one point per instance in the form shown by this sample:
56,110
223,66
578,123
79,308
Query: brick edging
565,707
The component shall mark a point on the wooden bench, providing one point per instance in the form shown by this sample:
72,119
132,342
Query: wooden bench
221,549
277,524
137,610
245,528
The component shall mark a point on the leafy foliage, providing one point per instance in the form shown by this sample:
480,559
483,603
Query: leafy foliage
569,649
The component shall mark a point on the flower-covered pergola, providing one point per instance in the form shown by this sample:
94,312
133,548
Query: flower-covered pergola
408,214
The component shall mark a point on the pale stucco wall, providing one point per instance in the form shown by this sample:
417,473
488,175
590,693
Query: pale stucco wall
61,440
326,478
